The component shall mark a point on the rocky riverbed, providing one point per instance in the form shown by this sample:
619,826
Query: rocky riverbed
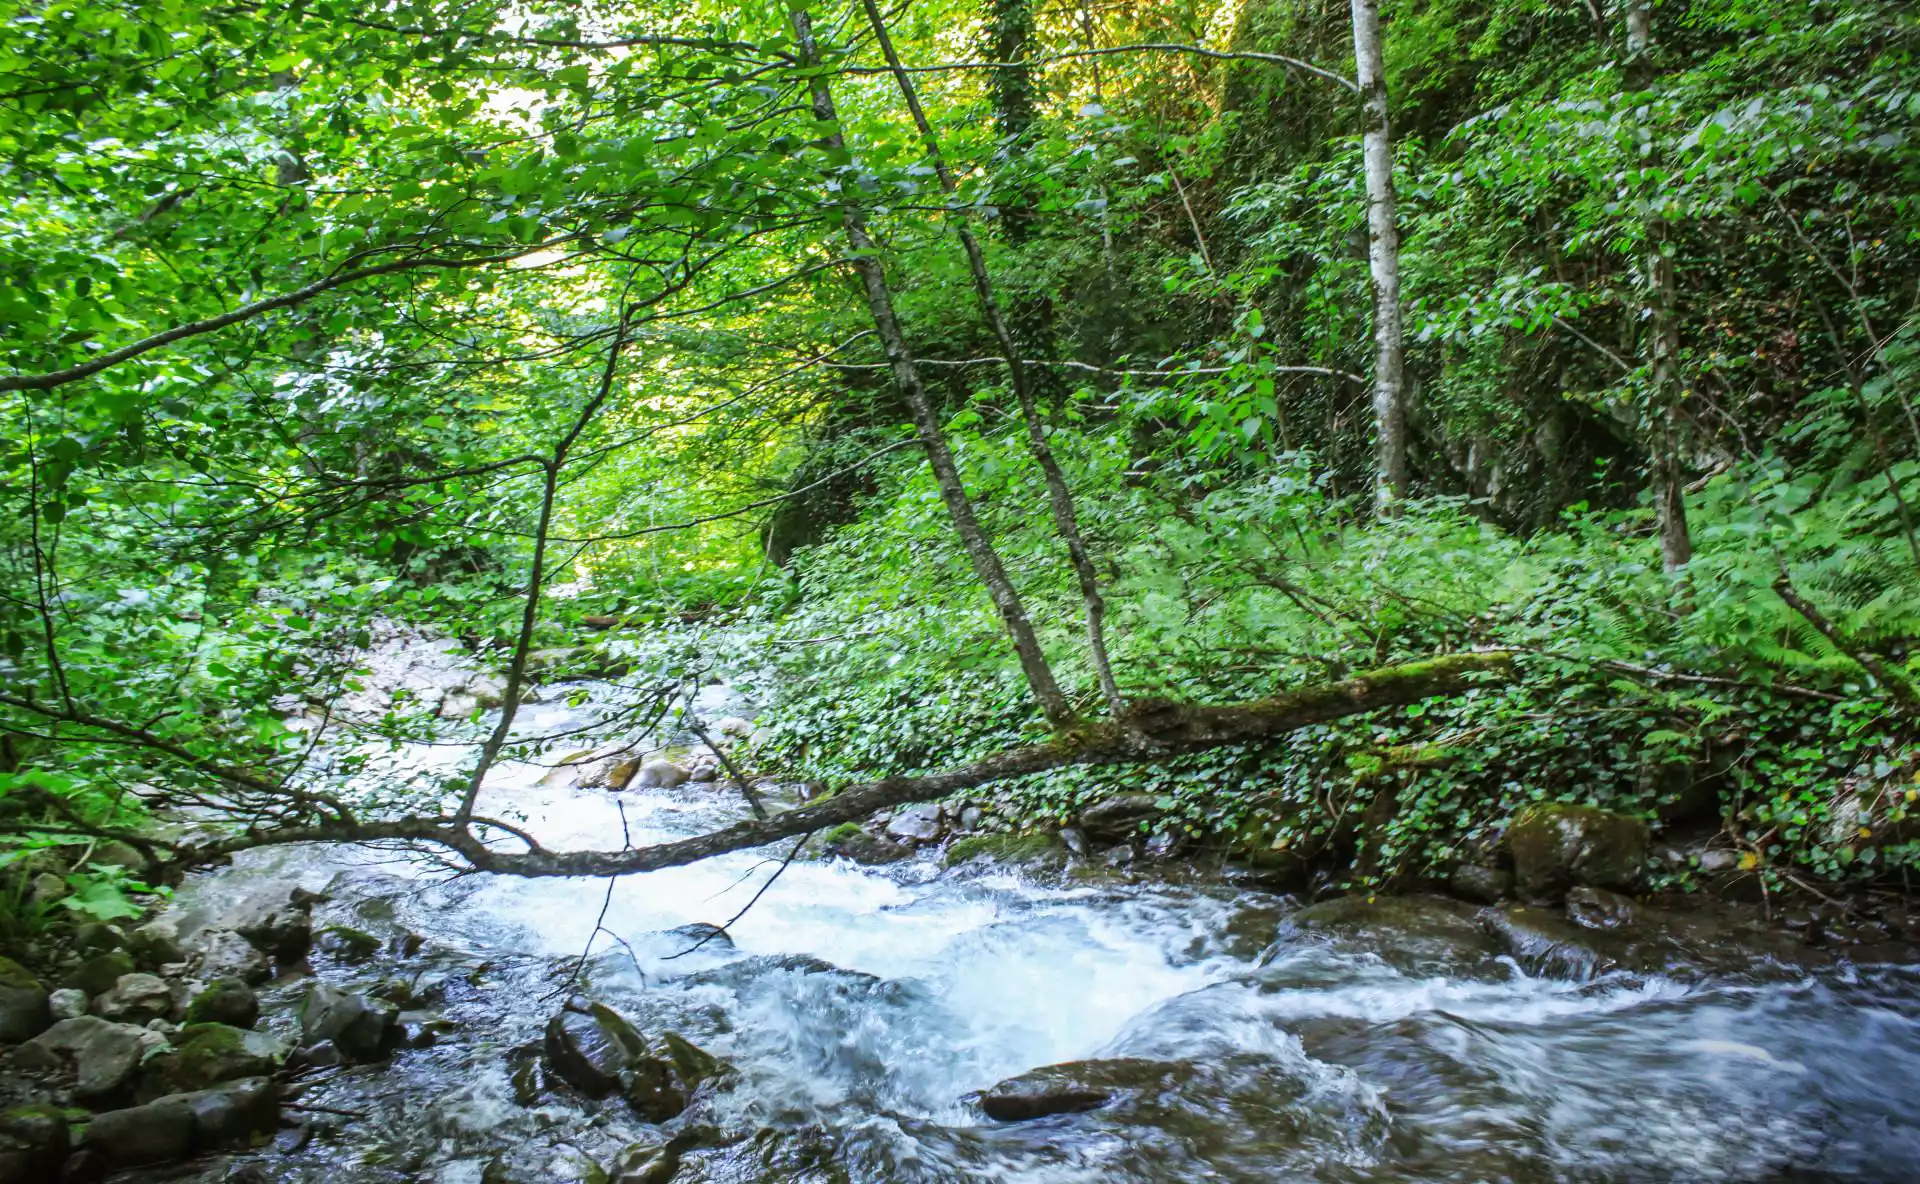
934,999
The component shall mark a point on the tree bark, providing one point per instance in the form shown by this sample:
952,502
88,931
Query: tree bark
1149,731
1012,89
1383,261
1669,479
906,377
1059,496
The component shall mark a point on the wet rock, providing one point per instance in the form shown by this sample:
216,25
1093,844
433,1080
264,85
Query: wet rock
590,1050
599,1053
704,772
1073,839
971,817
456,705
1556,846
225,954
178,1125
644,1163
918,823
24,1012
1596,908
33,1144
1117,819
349,944
1414,934
711,937
1479,882
97,974
157,944
136,998
1546,944
1074,1087
362,1029
225,1001
867,848
205,1055
67,1002
277,921
101,1054
661,774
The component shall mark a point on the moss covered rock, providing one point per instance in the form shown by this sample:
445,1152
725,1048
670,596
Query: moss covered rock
207,1054
225,1001
33,1144
1557,845
97,974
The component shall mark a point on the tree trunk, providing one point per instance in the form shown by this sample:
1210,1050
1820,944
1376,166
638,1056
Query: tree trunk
1383,261
1059,497
1669,479
1012,90
906,377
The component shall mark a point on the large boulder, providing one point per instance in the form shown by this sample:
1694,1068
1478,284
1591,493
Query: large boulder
1076,1086
1480,882
178,1125
222,953
157,944
915,824
661,774
225,1001
1557,845
102,1055
1117,819
23,1003
277,921
599,1052
136,998
33,1144
362,1029
204,1055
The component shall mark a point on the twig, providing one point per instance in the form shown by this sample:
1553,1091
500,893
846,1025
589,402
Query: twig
723,929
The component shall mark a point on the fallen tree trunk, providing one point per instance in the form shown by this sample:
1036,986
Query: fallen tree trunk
1148,731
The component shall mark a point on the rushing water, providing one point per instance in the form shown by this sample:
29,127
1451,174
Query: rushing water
862,1007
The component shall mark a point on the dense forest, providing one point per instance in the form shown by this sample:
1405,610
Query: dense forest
1308,440
958,375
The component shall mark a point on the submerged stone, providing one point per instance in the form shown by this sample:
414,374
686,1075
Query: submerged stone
600,1053
362,1029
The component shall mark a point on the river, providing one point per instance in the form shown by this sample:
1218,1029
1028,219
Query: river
862,1006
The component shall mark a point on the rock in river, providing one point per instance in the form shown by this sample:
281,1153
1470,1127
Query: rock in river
362,1029
598,1052
225,1001
1076,1086
915,824
33,1144
136,998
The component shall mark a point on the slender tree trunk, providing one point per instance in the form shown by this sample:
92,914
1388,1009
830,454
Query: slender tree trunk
1383,261
1012,90
1669,479
906,377
1059,497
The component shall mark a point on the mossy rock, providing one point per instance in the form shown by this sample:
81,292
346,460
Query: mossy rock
1014,849
24,1012
225,1001
1557,845
207,1054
